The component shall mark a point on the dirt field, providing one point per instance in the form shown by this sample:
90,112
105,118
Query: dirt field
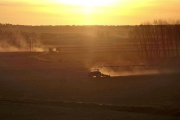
64,77
33,110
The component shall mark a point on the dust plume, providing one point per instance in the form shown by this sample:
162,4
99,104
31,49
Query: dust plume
13,41
129,68
126,72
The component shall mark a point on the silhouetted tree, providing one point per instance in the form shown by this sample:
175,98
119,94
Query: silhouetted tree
160,39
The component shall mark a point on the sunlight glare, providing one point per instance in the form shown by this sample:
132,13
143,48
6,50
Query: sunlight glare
86,3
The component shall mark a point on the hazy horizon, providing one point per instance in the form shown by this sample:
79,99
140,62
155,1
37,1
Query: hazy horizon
81,12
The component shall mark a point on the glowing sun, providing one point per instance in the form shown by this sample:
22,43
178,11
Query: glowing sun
86,3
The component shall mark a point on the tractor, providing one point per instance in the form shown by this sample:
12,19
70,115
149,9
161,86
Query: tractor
97,74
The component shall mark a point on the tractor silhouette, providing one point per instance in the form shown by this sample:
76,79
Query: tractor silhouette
97,74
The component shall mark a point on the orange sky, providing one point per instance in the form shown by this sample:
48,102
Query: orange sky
87,12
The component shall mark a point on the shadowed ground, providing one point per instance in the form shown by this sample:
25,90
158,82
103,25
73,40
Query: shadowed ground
39,110
24,77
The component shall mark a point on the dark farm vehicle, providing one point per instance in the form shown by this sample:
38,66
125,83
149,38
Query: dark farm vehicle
97,74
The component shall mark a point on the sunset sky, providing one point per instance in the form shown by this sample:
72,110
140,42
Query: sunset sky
87,12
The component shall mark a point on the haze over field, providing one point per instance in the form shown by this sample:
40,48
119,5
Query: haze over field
85,12
90,59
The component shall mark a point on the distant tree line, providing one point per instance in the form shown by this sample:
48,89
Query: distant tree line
126,26
160,39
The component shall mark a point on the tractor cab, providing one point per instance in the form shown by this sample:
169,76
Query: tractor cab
96,70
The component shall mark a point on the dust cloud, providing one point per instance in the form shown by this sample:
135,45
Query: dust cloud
14,41
5,46
126,67
137,71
